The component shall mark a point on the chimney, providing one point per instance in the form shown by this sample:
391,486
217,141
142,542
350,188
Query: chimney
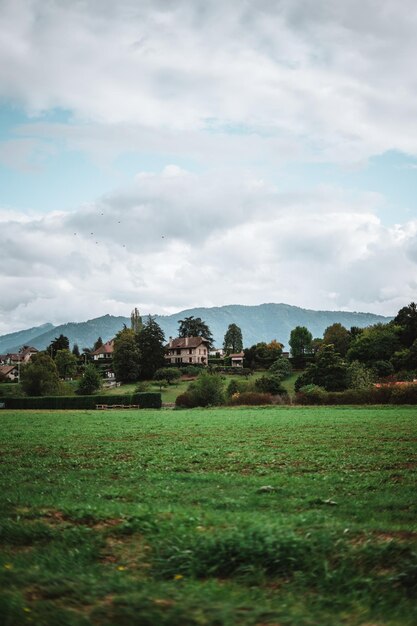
186,341
170,342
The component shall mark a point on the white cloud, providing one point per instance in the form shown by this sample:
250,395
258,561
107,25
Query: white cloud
186,240
337,77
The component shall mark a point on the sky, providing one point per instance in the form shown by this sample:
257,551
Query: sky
167,155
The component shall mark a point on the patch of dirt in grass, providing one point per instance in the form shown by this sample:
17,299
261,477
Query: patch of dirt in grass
384,537
126,553
54,517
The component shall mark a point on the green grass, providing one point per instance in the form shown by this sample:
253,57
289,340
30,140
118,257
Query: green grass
253,517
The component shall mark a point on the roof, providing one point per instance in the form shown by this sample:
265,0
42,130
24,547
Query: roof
6,369
237,355
28,350
187,342
106,348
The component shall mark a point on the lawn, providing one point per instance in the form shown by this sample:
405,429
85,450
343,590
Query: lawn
253,517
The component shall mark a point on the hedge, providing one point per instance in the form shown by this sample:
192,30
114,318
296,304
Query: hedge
386,394
145,400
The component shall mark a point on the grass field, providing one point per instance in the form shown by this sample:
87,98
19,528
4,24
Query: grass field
268,516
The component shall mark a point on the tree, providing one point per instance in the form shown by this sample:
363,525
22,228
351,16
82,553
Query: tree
97,344
281,367
59,343
136,323
406,319
40,376
328,371
167,375
126,356
300,341
194,327
339,336
150,343
262,354
66,363
375,343
76,350
90,381
233,340
359,376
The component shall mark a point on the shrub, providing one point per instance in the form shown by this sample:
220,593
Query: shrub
191,370
250,398
90,381
207,390
311,394
404,394
269,383
185,401
281,368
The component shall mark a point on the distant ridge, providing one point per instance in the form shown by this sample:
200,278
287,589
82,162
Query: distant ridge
262,322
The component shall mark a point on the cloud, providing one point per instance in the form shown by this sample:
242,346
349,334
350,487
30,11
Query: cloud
175,239
335,78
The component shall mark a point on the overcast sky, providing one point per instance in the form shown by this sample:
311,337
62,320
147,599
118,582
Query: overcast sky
167,155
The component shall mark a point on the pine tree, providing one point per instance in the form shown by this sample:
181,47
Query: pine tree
150,343
233,340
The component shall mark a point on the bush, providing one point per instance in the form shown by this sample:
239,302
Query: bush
185,401
269,383
207,390
250,398
281,368
404,394
90,381
191,370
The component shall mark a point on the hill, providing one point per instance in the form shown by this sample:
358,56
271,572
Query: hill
262,322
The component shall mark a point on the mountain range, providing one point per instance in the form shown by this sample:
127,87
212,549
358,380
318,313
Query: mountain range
262,322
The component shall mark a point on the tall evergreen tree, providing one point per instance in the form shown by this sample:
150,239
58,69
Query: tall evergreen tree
98,343
76,350
150,343
233,342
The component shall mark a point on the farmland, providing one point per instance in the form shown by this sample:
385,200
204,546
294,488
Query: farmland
253,517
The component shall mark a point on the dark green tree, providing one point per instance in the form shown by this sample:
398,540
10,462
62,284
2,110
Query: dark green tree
300,341
40,376
66,363
194,327
375,343
207,390
339,336
262,355
233,342
406,320
126,356
167,375
90,381
76,350
328,371
150,343
59,343
97,344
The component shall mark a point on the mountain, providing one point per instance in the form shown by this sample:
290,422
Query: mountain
263,322
13,341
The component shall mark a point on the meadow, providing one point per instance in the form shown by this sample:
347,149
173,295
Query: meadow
216,517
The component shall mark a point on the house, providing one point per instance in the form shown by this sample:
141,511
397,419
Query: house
9,372
187,350
236,360
23,356
105,352
216,353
